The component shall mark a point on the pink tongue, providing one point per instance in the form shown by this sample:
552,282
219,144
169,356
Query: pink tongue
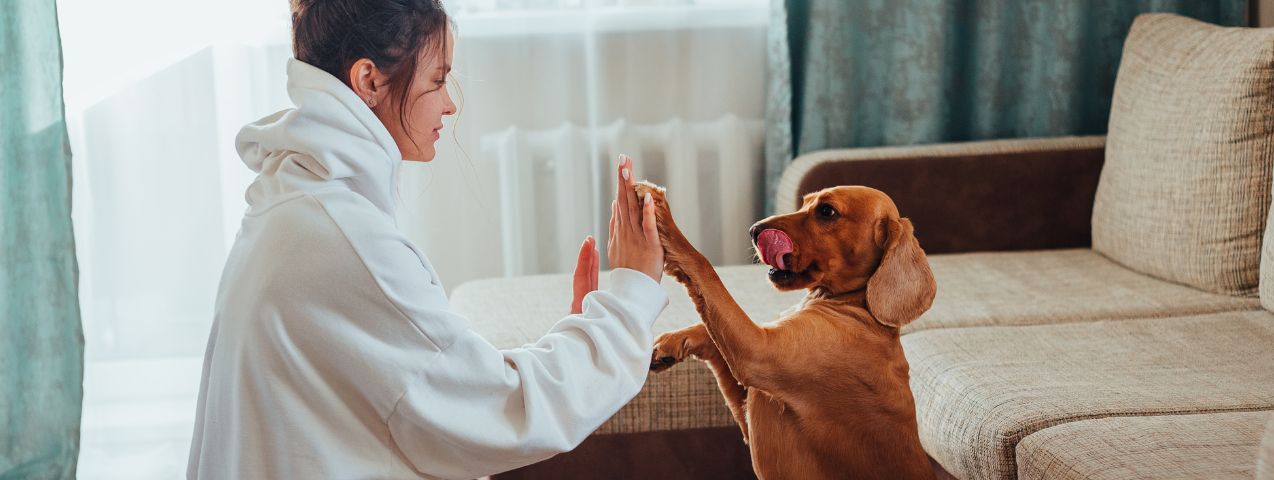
773,245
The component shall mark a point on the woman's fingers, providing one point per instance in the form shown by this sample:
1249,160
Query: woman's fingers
626,195
594,264
634,241
648,219
611,237
630,192
622,192
585,278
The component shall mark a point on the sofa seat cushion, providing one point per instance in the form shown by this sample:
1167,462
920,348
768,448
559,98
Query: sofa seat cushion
1265,459
979,391
1055,286
1014,288
511,312
1212,445
974,289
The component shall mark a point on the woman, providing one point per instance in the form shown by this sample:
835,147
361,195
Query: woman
334,353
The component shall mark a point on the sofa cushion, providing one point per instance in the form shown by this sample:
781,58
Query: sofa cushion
510,312
974,289
1055,286
1213,445
1185,189
979,391
1016,288
1265,459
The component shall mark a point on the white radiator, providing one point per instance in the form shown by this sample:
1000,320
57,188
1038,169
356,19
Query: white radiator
556,186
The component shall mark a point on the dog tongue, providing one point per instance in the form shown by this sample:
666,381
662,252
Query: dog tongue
773,245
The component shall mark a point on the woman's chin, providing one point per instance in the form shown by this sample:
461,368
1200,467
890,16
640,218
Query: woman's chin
422,158
425,154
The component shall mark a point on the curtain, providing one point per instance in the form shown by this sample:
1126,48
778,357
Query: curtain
41,344
156,95
875,72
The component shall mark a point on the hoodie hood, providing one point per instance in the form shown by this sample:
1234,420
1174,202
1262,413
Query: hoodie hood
330,139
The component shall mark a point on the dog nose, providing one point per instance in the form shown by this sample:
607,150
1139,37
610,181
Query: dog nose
755,230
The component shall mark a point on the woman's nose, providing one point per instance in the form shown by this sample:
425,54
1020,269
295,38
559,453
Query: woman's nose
450,108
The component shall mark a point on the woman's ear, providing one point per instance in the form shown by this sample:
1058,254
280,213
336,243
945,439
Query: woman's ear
903,287
367,81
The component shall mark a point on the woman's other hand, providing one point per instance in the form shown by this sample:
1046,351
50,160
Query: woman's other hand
585,274
634,241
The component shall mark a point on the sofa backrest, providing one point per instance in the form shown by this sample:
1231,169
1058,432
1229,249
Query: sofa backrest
1185,189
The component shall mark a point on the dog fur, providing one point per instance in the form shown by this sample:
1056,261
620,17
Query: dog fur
823,391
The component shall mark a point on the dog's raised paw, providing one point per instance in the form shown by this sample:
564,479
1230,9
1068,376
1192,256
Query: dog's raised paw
657,193
663,215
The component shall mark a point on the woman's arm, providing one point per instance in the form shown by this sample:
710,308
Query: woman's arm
476,410
471,409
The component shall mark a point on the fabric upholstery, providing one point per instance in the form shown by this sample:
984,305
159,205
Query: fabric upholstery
685,396
1018,288
976,196
1265,457
980,391
1212,445
1055,286
706,453
1185,188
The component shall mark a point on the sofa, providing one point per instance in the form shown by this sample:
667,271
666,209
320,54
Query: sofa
1105,304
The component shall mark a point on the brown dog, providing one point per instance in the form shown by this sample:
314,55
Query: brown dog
822,392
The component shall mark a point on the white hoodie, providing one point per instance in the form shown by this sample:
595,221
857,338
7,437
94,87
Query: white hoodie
334,353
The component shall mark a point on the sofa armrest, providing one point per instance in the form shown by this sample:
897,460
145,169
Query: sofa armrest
994,195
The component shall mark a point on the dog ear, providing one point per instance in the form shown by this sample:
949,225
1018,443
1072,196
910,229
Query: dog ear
903,287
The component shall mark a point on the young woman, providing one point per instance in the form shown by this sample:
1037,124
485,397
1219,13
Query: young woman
334,353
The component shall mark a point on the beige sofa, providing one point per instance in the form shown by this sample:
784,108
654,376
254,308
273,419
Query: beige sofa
1104,303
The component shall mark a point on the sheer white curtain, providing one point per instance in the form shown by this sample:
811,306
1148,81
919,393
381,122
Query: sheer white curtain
157,89
583,64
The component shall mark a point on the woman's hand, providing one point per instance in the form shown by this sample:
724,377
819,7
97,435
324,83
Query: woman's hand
634,240
585,274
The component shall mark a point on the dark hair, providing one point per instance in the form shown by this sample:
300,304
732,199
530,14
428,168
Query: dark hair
393,34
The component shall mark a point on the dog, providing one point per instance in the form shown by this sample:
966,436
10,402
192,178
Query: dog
822,392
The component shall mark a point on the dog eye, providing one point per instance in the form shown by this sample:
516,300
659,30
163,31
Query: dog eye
825,211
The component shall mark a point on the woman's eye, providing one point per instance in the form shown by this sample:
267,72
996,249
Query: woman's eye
826,211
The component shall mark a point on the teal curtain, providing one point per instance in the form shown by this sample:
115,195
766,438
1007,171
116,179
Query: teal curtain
41,341
860,73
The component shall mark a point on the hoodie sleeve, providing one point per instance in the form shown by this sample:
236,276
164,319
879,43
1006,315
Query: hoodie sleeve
477,410
473,409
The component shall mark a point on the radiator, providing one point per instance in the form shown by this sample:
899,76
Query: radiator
556,186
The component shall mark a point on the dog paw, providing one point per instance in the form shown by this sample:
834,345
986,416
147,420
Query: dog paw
669,350
658,194
673,347
677,249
